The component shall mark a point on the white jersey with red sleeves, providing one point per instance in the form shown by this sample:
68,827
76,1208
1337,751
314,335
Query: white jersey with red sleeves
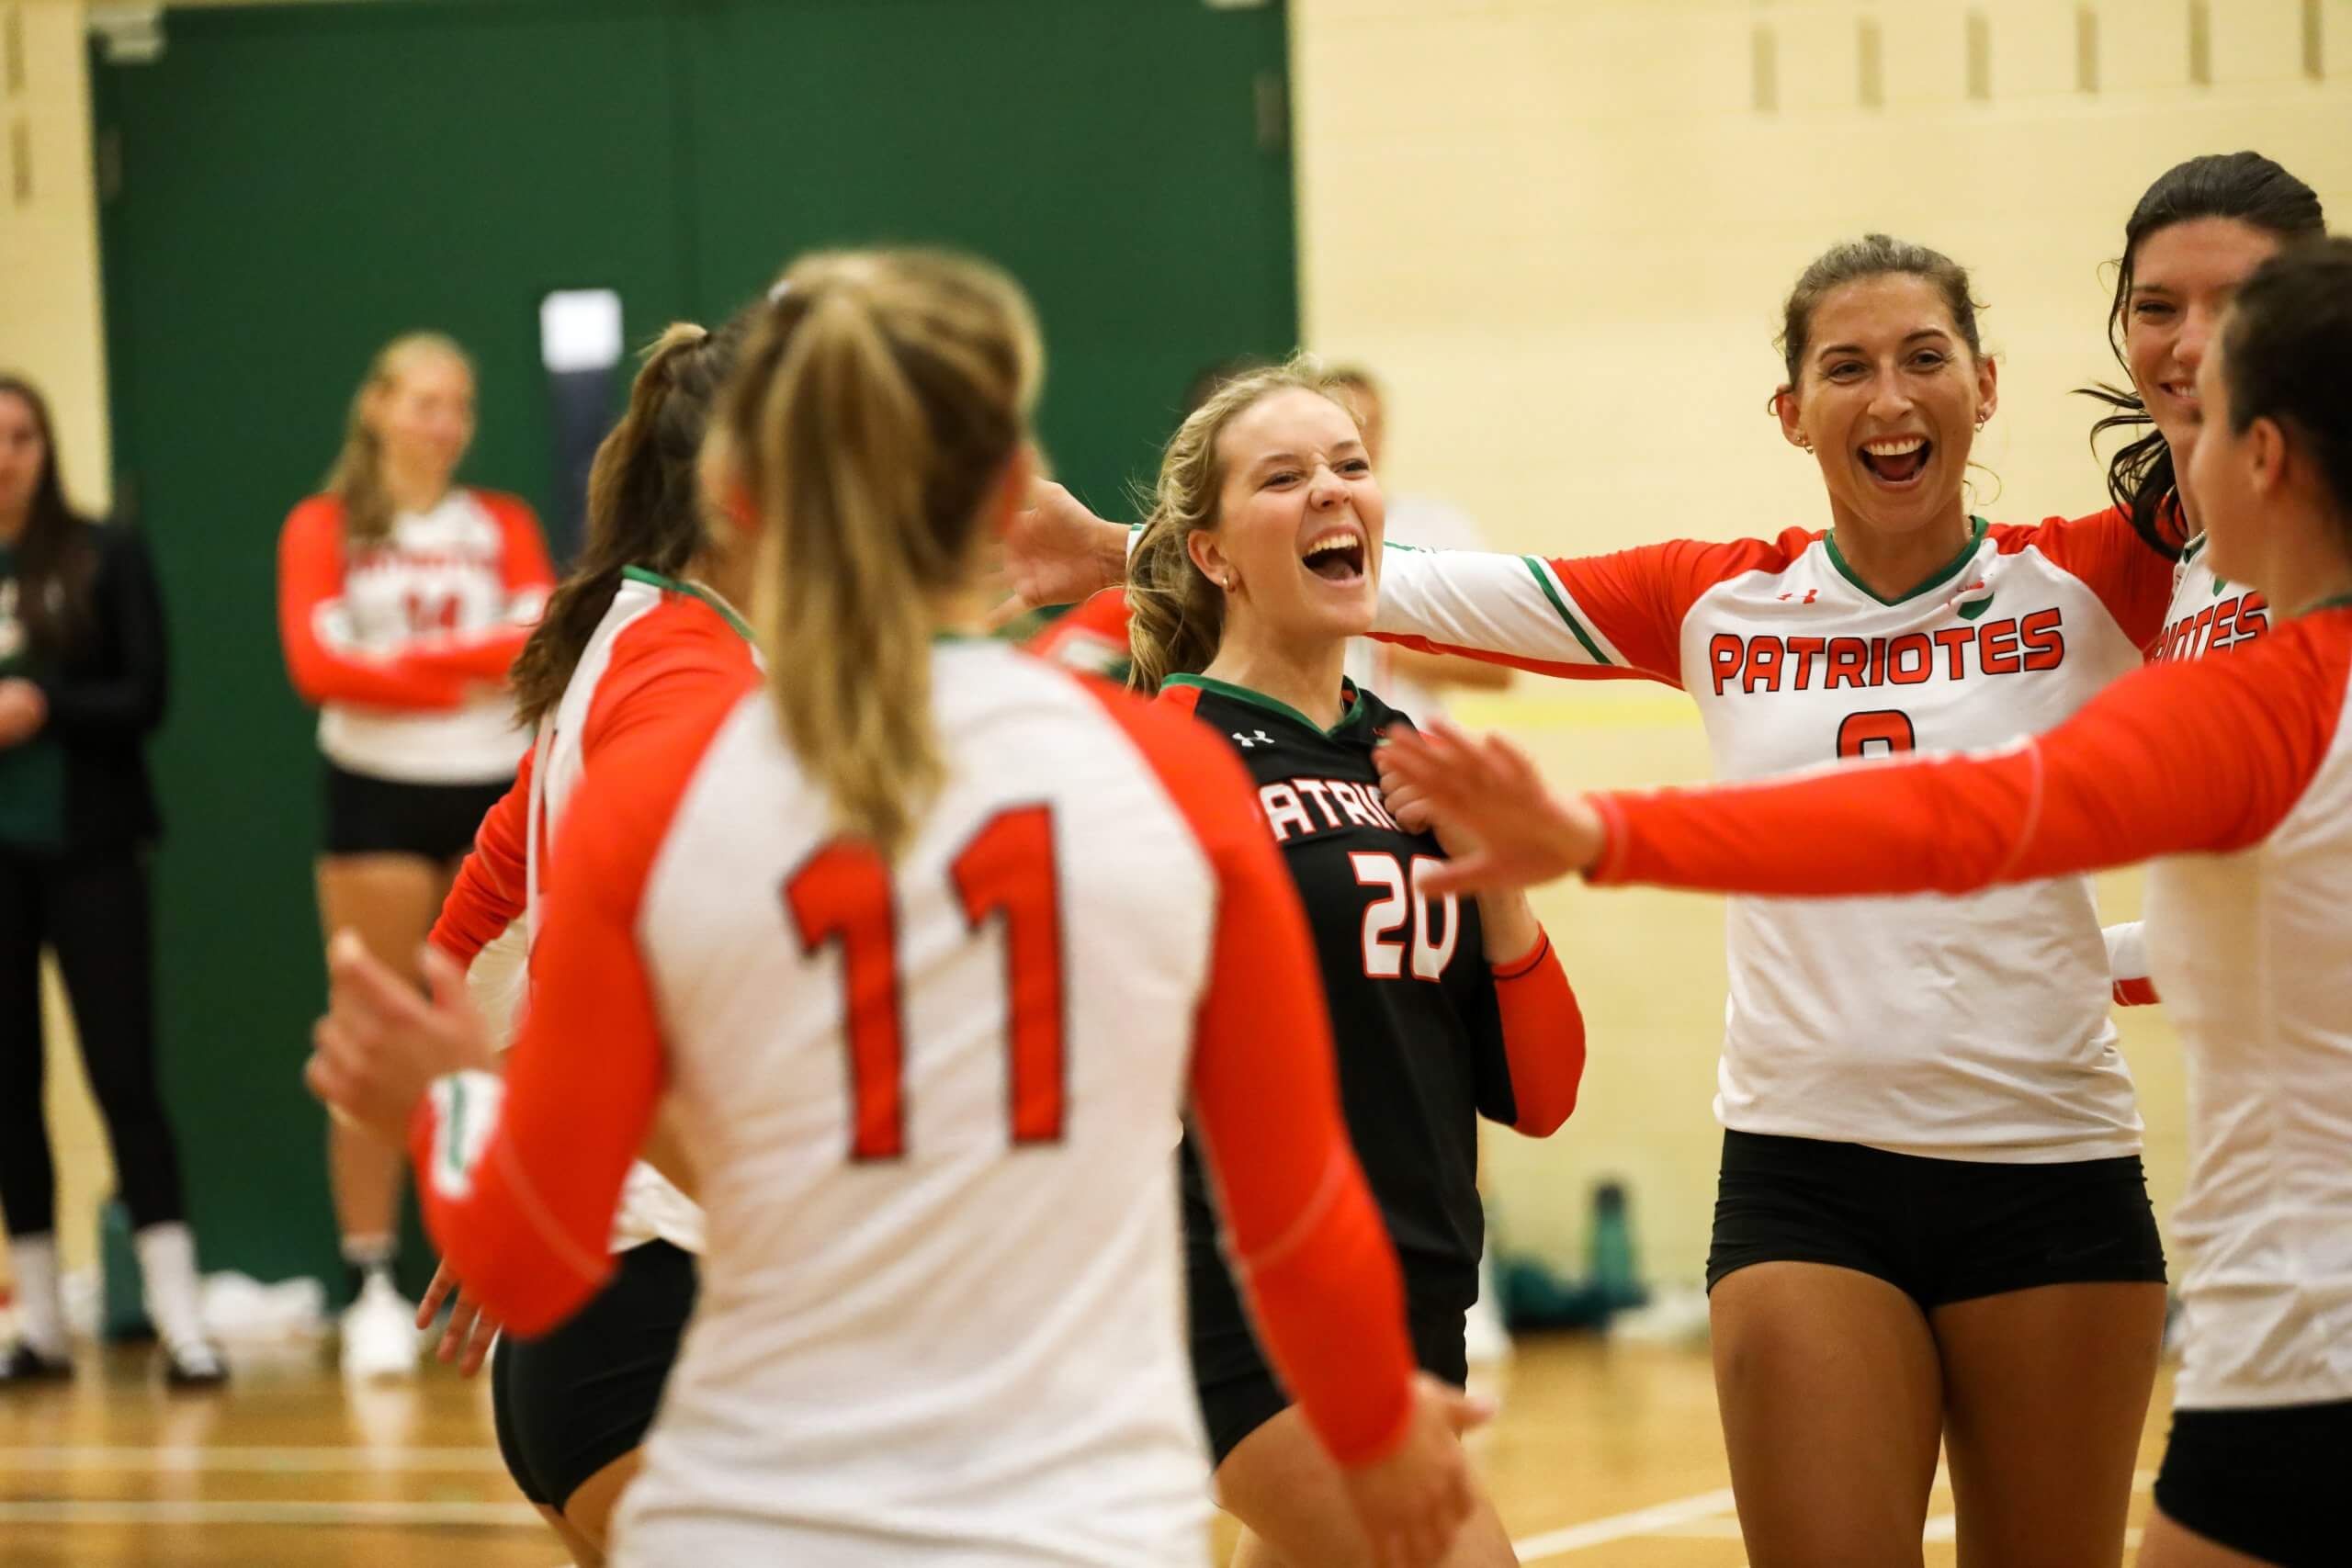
648,617
2206,615
1970,1028
405,645
941,1318
2251,843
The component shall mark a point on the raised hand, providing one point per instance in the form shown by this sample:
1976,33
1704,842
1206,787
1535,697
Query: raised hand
380,1042
1486,795
1412,1503
1057,552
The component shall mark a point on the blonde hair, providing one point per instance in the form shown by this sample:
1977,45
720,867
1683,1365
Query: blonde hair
644,503
881,397
1176,614
357,478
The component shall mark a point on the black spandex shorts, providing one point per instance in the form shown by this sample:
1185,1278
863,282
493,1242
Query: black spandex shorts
1240,1392
368,815
2264,1482
570,1401
1939,1230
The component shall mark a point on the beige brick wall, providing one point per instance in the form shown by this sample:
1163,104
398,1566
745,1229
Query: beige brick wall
1562,229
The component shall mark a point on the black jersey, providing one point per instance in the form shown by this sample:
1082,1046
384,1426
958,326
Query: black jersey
1414,1016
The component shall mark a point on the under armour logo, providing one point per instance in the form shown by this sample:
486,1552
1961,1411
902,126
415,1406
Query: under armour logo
1809,595
1255,738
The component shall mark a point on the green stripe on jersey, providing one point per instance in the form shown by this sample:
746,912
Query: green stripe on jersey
1543,581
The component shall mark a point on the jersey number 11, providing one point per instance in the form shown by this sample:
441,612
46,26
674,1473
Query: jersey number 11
843,893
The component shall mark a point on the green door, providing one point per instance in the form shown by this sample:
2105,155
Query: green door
298,184
1128,163
289,186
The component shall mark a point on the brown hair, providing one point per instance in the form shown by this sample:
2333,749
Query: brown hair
644,501
1857,261
2284,344
357,478
54,562
1176,614
881,396
2246,187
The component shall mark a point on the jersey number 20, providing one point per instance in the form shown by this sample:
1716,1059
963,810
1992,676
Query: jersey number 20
1383,954
843,895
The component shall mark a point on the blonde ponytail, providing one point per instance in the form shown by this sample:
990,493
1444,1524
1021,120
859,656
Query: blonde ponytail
357,478
879,404
1176,614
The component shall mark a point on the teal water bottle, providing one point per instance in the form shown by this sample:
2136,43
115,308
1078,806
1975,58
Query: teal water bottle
1613,1275
123,1314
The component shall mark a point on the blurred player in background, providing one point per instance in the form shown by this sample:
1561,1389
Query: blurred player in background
403,597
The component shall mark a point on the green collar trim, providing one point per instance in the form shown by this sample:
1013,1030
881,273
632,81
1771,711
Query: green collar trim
1260,699
692,591
2333,602
1976,527
2191,550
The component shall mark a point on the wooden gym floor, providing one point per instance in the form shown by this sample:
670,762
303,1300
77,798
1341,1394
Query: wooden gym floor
1601,1455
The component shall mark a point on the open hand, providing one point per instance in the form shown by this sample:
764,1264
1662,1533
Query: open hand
380,1042
470,1331
1486,796
1058,552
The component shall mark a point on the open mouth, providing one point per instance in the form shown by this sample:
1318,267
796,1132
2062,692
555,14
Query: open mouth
1336,556
1898,460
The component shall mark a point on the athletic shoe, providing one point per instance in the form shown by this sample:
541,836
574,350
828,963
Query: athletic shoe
195,1364
379,1333
24,1365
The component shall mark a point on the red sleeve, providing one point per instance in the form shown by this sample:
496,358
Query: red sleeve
2206,756
1591,618
1542,1030
493,883
326,668
519,1192
1093,637
2103,551
671,656
1306,1240
523,553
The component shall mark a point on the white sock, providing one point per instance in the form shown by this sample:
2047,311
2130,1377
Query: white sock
167,1267
40,1311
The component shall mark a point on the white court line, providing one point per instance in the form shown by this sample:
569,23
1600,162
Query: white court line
493,1515
1618,1527
324,1460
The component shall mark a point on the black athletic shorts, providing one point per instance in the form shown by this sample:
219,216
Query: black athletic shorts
570,1401
368,816
1939,1230
2261,1482
1240,1392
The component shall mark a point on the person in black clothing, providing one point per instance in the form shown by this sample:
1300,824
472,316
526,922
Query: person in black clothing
1259,563
82,683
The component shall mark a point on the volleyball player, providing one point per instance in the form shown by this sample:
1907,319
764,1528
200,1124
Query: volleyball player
2197,233
646,621
939,934
1932,1222
402,597
2253,823
1251,580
